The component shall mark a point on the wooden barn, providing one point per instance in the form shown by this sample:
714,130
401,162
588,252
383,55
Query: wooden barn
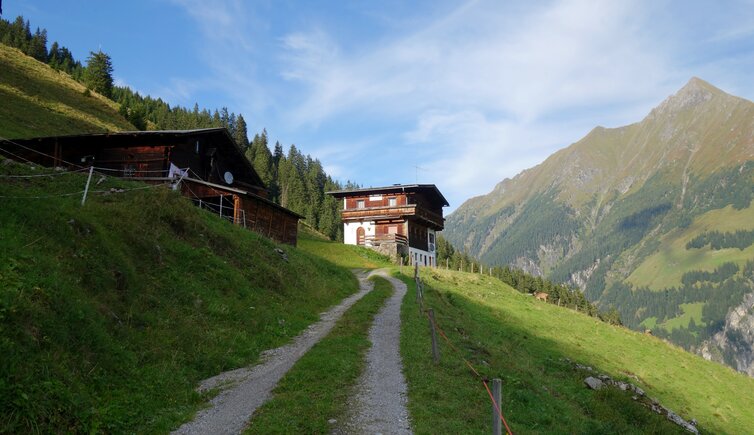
207,165
398,220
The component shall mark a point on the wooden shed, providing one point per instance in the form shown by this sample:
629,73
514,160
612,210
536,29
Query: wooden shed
206,163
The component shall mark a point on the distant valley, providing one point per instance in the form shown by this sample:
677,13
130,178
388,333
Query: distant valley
654,218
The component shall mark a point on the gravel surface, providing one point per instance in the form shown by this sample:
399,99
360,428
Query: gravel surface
245,389
380,403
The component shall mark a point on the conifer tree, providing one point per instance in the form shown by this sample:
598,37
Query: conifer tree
261,157
38,45
99,73
241,136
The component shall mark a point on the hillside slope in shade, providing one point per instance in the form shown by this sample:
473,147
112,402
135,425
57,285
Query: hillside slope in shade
532,347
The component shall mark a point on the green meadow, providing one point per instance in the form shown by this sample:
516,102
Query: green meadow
664,268
529,345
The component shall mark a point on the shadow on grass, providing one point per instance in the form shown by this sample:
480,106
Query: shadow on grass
542,392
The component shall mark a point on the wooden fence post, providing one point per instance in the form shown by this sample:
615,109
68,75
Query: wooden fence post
419,295
401,265
435,348
497,425
416,270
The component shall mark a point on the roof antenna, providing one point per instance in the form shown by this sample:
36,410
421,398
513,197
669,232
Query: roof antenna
417,167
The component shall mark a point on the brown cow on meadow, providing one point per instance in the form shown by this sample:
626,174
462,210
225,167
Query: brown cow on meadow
541,296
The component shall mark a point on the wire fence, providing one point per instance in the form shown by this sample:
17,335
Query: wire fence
52,175
231,214
3,139
47,175
435,328
174,175
100,171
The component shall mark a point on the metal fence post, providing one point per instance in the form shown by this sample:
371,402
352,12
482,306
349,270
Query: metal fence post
86,189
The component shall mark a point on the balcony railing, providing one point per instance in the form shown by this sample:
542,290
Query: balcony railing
398,239
395,211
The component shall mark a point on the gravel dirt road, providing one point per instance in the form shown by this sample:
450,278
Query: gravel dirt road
379,406
244,390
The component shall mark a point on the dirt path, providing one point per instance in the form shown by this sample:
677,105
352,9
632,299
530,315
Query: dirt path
380,403
244,390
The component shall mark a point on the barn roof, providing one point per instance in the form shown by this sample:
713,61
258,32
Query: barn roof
220,138
430,190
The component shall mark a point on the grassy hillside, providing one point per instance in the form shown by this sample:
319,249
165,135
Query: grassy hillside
525,342
39,101
665,267
111,313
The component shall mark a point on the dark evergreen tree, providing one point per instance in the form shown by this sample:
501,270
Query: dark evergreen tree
98,75
277,154
38,45
241,134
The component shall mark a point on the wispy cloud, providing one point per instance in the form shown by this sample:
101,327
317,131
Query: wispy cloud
481,83
228,29
473,95
220,21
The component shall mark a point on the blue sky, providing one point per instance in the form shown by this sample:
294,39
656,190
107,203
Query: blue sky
471,92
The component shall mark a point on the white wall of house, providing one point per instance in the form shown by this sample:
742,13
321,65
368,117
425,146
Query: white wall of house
425,258
349,231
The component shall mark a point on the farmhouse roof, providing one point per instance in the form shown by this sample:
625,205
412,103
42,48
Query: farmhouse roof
432,192
220,138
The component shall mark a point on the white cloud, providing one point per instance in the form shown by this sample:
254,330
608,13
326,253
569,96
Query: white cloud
575,52
478,94
480,84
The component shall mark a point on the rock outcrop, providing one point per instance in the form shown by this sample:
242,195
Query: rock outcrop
734,345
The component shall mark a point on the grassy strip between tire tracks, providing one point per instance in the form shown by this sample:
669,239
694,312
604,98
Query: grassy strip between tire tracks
318,387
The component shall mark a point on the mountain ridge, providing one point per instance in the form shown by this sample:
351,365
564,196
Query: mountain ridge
594,212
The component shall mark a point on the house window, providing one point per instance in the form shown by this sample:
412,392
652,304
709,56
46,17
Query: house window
392,202
431,238
360,203
392,229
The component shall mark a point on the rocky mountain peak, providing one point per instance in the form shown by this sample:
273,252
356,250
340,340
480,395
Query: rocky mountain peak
695,93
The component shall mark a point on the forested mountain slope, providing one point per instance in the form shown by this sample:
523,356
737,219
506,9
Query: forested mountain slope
633,214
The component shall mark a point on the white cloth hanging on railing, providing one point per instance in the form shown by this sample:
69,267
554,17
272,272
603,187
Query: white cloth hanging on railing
176,172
